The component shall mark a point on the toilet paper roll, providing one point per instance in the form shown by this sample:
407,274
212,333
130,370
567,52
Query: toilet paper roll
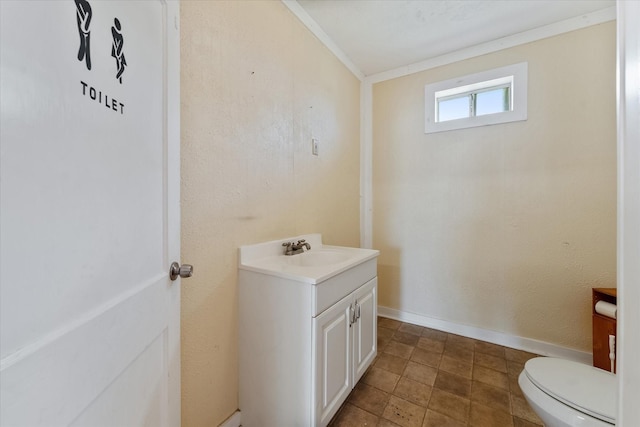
607,309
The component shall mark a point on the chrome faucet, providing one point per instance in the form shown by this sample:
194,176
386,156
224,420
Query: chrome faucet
295,248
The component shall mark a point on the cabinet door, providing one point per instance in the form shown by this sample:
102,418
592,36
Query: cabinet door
365,328
602,328
332,353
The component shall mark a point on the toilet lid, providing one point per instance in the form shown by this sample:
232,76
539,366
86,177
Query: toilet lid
585,388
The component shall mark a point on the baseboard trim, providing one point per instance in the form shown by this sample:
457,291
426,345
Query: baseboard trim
520,343
233,421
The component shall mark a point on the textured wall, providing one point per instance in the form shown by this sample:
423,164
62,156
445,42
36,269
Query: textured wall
256,86
504,227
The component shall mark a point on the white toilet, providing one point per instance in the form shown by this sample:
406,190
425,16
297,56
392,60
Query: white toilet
569,394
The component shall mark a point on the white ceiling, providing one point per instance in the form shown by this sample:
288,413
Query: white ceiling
381,35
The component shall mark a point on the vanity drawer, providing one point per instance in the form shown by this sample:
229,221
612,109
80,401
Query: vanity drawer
332,290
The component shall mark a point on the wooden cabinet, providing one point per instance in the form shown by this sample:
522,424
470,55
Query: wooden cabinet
603,327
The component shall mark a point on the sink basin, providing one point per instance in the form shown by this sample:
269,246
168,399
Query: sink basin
317,257
316,265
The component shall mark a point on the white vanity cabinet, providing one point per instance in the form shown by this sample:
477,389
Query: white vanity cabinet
344,337
305,337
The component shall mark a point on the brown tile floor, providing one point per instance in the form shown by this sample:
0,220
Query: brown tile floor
427,378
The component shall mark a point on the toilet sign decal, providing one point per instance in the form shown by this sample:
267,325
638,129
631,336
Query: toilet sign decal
84,14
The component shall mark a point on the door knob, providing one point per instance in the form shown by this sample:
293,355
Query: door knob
184,271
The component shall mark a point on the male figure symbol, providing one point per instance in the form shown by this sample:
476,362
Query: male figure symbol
83,17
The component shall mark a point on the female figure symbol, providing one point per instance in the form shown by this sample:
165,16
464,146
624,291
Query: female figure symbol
116,48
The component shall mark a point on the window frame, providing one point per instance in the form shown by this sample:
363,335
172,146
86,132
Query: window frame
514,76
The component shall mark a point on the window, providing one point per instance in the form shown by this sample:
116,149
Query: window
487,98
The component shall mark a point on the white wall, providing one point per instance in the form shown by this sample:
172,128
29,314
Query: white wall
507,227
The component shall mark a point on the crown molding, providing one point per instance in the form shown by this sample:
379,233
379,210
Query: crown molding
317,31
561,27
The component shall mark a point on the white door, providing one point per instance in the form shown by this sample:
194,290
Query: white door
332,338
89,213
365,333
628,213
